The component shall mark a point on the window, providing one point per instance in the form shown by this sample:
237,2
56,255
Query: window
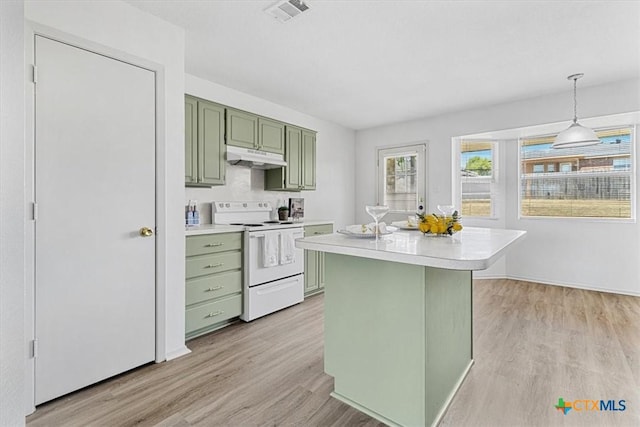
402,177
538,168
593,181
478,178
565,167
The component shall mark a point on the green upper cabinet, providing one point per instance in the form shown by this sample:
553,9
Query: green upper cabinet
251,131
211,151
242,129
204,143
308,157
270,135
190,140
293,155
300,155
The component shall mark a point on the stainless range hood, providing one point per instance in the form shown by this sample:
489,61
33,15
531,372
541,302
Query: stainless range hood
254,158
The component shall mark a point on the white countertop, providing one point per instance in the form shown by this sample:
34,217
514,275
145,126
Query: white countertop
316,222
220,228
472,248
213,229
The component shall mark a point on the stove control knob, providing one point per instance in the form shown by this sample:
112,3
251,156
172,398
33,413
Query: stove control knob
244,205
220,205
227,205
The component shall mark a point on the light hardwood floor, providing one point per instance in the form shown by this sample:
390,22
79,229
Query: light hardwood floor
532,344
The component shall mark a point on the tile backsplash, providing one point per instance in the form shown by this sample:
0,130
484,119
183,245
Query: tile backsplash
243,184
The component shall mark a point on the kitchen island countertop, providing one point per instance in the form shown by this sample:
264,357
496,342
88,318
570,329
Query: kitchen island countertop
472,248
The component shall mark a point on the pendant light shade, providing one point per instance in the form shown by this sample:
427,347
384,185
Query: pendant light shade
576,135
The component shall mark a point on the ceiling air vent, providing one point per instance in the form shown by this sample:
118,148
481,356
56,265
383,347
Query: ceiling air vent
284,10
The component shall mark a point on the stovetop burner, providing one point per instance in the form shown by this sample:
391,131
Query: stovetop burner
253,216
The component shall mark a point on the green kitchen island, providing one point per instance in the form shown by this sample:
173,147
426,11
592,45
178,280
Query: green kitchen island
398,318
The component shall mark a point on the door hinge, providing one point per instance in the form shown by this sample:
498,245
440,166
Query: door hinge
34,348
35,74
34,211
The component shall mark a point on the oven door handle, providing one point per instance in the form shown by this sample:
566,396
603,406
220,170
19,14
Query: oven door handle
252,235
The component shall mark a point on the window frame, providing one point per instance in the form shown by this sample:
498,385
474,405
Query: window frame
632,185
494,179
421,150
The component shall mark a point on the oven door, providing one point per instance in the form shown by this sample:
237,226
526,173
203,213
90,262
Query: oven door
256,270
273,296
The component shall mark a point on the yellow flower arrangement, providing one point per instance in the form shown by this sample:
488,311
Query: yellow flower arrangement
439,224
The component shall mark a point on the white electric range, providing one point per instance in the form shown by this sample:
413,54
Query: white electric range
273,266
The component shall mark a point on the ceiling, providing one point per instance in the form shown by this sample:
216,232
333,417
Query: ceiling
363,64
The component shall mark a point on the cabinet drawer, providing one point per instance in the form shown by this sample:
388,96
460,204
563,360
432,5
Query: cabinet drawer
208,314
213,286
203,265
212,243
314,230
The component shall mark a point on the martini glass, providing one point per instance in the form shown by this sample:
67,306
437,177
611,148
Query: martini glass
377,212
446,210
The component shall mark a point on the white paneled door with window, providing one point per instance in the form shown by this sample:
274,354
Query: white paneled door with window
95,218
402,172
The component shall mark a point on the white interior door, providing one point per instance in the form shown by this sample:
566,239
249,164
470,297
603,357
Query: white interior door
95,190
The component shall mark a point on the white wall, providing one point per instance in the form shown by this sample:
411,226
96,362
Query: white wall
576,253
335,148
12,207
124,31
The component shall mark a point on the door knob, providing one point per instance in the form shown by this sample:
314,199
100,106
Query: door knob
146,232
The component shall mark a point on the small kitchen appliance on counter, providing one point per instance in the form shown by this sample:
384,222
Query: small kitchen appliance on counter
273,266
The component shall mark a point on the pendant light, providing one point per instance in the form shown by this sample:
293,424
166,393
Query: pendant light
576,135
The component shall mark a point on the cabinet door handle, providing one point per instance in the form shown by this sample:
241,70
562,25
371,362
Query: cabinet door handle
214,265
215,288
213,245
318,232
214,314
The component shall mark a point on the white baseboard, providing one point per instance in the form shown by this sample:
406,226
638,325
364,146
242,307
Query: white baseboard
182,351
566,285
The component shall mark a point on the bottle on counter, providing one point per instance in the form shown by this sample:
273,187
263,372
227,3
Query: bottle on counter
196,213
189,215
192,215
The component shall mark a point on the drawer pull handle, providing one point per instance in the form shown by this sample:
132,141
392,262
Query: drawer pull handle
317,232
214,265
215,288
213,245
214,314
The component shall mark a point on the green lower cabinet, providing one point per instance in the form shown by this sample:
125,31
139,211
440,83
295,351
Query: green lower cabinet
314,261
201,317
213,289
311,276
